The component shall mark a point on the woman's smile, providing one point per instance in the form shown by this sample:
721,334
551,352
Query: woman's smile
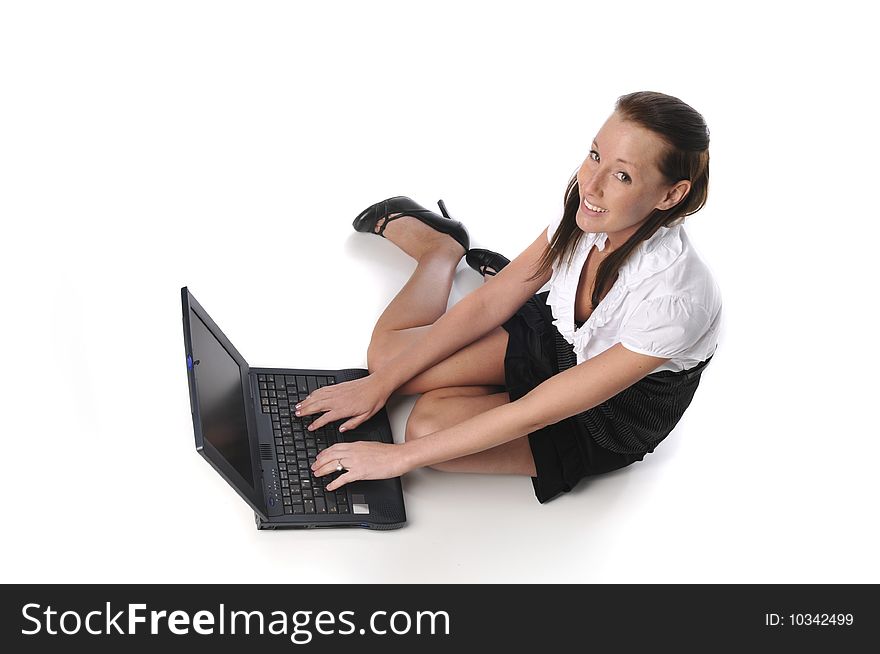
592,209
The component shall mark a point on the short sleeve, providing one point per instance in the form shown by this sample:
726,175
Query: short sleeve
666,326
552,227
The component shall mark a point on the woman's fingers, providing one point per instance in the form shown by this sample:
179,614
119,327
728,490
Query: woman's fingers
331,414
304,407
320,421
339,481
360,460
327,455
324,468
356,421
320,395
312,404
325,464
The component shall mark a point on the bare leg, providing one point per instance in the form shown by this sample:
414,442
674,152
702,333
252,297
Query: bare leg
423,299
444,407
420,303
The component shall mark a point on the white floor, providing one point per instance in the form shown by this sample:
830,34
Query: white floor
143,153
723,498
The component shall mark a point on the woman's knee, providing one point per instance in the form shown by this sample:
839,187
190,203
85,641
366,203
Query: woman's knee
385,346
433,412
479,363
424,418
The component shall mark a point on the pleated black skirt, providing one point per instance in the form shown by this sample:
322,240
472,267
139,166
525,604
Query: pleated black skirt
570,450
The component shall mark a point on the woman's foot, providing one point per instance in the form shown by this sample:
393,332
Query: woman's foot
488,271
417,239
486,262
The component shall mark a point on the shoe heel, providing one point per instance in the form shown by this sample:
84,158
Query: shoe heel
442,206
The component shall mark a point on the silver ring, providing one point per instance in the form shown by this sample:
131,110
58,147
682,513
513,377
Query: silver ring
338,465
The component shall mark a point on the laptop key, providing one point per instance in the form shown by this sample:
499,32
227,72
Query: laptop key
301,385
298,508
309,506
320,507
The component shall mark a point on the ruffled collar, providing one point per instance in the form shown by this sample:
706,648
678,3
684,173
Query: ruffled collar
599,239
653,255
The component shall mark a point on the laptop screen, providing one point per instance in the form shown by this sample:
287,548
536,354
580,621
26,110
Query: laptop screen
221,399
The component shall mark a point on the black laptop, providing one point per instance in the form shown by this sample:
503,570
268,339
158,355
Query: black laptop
246,429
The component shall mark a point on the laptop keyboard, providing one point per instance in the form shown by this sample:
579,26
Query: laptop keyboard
296,447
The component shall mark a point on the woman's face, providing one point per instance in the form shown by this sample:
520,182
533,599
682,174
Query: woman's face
628,190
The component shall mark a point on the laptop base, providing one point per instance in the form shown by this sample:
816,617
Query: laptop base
263,525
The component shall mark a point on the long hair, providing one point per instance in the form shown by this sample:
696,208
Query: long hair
685,156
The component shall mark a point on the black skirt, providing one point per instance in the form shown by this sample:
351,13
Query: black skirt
614,434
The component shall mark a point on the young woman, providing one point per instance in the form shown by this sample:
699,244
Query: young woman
581,379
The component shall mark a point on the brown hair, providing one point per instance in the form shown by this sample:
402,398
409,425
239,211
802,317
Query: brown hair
686,156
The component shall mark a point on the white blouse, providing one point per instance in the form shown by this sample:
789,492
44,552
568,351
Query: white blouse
664,301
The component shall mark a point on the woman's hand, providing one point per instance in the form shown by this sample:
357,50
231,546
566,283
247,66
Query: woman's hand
361,460
358,398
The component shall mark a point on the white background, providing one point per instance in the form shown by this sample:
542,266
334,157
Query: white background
227,146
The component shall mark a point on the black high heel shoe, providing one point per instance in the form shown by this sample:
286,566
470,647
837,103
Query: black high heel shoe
481,260
367,219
